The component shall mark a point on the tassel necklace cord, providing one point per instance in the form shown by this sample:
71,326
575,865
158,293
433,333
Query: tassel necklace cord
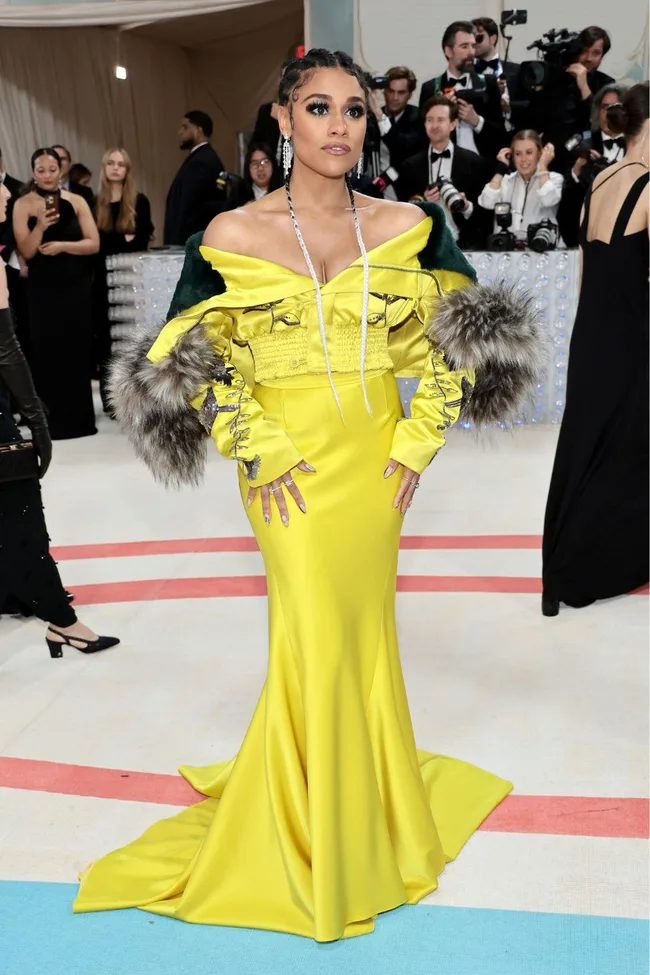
319,297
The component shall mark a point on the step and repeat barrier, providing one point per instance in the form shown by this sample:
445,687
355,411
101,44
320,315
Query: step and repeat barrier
141,287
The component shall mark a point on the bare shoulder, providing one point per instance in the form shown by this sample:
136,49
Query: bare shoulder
78,202
389,217
241,230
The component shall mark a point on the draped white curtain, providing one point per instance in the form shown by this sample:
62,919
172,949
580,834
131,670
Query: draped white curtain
99,13
58,86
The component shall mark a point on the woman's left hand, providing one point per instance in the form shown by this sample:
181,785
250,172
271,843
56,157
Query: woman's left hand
53,248
410,481
547,156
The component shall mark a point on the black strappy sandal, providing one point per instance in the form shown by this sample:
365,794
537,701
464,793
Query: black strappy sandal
91,646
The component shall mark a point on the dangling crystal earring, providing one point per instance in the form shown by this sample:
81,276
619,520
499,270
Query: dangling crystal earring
360,167
287,155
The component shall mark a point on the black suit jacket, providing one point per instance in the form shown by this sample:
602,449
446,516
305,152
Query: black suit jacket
573,195
469,174
7,239
493,135
193,197
267,130
597,80
405,137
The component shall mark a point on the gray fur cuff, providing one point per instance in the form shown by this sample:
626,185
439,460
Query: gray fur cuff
493,330
152,402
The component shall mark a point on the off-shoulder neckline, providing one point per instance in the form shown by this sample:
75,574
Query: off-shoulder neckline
206,249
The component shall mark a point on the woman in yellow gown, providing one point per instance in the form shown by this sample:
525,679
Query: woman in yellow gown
328,815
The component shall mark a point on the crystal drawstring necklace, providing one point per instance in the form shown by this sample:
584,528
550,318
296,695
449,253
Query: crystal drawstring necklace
319,297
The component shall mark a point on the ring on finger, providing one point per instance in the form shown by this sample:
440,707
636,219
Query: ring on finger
289,481
275,490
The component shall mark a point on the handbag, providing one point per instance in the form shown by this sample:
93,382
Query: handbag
18,461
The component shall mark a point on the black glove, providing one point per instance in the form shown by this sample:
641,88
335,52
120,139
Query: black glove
15,373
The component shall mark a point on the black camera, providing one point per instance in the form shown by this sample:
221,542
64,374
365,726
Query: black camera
503,239
543,236
556,49
228,184
377,81
449,195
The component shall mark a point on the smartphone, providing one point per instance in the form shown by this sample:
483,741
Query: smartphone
52,204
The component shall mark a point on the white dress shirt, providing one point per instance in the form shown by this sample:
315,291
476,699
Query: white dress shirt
194,148
465,132
612,153
442,167
530,203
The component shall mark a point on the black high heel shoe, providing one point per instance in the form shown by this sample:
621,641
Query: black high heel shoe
550,607
91,646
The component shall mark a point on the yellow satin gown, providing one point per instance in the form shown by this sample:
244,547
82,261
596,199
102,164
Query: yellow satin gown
328,815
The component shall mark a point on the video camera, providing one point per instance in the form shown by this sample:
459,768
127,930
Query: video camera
556,49
376,82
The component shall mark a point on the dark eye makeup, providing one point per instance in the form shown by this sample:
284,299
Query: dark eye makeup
321,108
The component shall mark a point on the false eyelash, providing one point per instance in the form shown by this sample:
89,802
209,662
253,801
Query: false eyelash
316,105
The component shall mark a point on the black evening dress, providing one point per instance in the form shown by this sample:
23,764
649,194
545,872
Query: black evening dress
596,527
60,330
112,242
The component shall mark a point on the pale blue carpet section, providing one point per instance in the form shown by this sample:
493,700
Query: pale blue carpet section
39,935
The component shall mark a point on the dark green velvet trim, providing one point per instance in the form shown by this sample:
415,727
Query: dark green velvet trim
441,252
198,280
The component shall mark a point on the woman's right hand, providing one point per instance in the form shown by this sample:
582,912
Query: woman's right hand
45,218
275,489
504,155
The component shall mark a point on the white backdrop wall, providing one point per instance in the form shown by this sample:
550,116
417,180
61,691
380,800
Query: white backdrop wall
410,32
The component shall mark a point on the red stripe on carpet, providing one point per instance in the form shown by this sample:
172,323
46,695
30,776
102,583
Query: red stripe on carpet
180,546
143,590
564,815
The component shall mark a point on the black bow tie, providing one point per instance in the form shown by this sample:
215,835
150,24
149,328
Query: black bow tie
481,65
458,81
445,154
610,143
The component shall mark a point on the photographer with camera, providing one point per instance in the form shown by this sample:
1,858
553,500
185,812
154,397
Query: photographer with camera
481,127
558,85
399,124
532,191
594,43
445,173
486,35
590,156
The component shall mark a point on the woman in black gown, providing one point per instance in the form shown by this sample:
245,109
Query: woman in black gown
56,235
596,527
123,218
29,578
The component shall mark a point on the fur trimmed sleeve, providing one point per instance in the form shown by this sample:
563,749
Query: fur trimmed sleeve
172,395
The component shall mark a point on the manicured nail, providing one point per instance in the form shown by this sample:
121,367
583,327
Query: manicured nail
285,520
310,468
267,519
388,471
249,501
303,507
396,503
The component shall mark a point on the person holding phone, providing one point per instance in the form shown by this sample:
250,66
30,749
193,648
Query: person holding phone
56,235
523,180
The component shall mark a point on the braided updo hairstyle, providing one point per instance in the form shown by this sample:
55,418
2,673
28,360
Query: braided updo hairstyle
298,71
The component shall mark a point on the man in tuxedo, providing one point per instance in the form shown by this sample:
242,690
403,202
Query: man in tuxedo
193,198
487,61
9,254
603,149
466,170
78,188
480,120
